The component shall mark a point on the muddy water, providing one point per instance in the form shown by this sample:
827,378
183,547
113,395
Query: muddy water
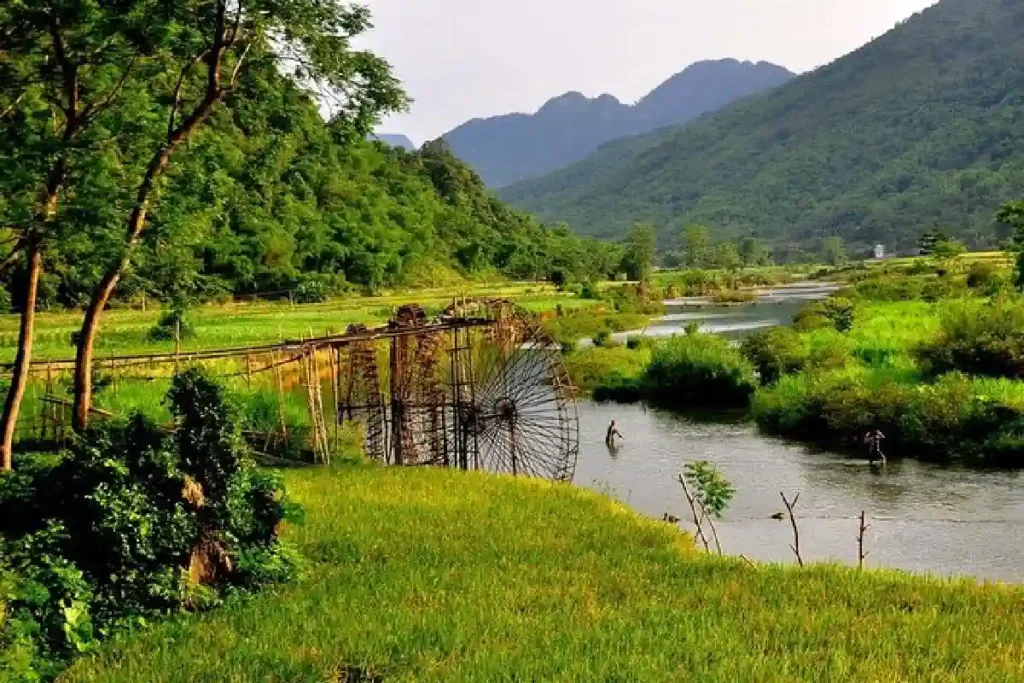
923,518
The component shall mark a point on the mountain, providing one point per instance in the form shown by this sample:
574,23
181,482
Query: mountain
504,149
400,141
923,126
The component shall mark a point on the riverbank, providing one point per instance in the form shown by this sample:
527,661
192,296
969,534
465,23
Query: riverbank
932,361
434,575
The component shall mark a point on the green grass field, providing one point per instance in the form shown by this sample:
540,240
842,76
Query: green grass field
433,575
125,331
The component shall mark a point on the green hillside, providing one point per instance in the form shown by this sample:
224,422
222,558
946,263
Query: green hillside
923,126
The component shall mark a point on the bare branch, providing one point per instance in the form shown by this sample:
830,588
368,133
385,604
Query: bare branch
861,555
696,516
796,532
238,65
13,105
237,25
711,523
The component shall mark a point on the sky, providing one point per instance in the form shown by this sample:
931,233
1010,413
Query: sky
462,59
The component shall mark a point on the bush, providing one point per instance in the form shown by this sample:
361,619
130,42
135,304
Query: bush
840,312
982,275
734,296
135,522
700,370
956,417
979,338
602,338
775,352
174,323
602,370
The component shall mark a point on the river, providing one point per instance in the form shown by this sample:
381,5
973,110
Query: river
924,518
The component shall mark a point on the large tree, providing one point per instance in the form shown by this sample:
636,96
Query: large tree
697,246
63,66
640,248
215,42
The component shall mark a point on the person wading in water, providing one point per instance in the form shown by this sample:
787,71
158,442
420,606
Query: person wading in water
613,432
873,440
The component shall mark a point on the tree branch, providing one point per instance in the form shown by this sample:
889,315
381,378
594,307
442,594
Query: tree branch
69,73
13,105
98,106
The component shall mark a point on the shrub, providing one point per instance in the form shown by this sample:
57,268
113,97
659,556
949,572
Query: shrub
734,296
602,338
840,312
135,522
603,370
775,352
982,275
979,338
956,417
174,323
700,370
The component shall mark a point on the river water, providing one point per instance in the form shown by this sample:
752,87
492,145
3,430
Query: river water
923,518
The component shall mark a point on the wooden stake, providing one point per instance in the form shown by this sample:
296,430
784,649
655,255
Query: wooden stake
861,555
177,345
280,395
792,520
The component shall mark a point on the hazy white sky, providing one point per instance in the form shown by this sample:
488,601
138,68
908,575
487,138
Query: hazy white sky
461,59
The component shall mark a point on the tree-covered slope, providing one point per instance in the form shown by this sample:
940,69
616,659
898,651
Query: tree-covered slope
270,197
504,149
923,126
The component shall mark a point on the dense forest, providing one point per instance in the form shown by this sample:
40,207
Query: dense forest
512,147
921,128
270,197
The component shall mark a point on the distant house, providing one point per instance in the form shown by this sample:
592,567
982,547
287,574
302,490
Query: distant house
879,251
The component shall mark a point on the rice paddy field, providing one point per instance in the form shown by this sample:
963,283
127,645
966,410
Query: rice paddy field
126,331
433,575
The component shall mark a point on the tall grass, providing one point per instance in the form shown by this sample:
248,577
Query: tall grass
432,575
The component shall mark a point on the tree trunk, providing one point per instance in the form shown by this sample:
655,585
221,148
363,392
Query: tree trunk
105,289
20,373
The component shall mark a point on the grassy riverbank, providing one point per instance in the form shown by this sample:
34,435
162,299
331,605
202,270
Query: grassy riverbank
431,575
932,356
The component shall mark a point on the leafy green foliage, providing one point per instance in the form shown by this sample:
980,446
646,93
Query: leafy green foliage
710,487
700,370
840,312
638,254
921,127
980,339
956,417
110,533
775,352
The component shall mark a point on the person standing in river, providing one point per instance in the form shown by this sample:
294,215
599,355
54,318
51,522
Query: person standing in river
873,440
613,432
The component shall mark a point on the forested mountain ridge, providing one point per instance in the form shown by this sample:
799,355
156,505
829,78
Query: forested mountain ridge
504,149
923,126
395,140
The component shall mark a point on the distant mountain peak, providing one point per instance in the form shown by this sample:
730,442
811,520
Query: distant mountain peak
920,127
512,147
